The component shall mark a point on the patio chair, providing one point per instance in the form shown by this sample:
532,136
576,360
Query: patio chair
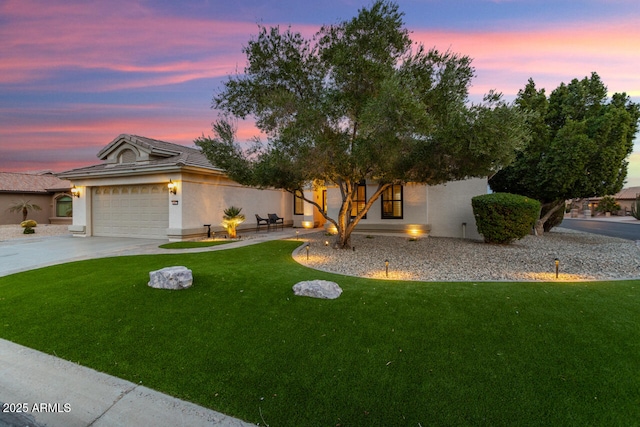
275,220
264,221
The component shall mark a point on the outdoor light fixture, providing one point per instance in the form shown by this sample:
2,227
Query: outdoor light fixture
75,192
172,187
297,233
557,266
386,267
326,243
307,252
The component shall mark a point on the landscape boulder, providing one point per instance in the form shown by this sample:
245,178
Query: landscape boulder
178,277
317,289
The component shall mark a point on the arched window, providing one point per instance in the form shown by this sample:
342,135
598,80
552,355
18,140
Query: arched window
64,206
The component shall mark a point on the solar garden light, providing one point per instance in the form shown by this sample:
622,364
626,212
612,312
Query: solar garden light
307,252
386,267
557,266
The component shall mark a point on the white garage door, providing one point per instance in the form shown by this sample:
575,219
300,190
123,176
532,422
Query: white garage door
131,211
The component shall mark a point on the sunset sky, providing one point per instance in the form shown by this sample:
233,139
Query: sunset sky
74,74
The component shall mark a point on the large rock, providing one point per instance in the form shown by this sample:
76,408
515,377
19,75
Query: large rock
171,278
317,289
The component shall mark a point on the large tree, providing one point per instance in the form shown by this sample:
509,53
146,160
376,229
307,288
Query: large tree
358,101
580,142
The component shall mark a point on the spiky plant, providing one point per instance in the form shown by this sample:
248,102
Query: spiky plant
24,206
635,207
231,219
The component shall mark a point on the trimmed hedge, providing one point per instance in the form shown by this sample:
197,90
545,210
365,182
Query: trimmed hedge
503,217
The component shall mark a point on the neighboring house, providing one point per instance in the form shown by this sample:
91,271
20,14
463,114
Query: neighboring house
44,189
128,195
625,198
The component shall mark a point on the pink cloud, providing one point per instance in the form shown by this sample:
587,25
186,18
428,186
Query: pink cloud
504,60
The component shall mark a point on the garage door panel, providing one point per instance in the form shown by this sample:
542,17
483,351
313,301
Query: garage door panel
140,211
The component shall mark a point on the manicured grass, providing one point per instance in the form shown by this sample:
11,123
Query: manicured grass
383,354
190,245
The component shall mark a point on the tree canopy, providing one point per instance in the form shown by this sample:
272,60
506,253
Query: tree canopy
580,142
358,101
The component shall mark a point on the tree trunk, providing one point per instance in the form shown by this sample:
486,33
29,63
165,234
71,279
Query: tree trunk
25,212
539,226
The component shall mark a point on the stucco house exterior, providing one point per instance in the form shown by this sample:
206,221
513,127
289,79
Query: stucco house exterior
44,189
128,195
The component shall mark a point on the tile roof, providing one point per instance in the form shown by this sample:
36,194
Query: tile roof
15,182
628,193
167,155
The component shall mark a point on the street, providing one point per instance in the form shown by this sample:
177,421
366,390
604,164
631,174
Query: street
623,230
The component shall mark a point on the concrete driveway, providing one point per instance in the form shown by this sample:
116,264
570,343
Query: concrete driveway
18,255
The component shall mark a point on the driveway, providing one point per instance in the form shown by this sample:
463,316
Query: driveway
21,255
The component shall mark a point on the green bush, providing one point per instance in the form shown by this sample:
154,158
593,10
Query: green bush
28,230
504,217
608,204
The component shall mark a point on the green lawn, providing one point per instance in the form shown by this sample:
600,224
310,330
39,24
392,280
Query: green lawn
384,354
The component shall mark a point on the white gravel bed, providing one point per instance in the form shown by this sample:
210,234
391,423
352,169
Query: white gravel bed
14,231
582,256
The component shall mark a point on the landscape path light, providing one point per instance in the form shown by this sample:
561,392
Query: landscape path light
386,267
307,252
557,266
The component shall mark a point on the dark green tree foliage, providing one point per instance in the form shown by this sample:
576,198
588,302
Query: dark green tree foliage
580,142
358,101
503,217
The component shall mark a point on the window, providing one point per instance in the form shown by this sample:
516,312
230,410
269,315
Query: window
324,201
392,202
298,203
64,206
360,199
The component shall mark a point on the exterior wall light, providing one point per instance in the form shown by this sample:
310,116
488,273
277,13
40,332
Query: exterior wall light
75,192
172,187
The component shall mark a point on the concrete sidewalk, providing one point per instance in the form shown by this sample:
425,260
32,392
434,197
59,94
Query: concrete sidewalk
57,393
54,392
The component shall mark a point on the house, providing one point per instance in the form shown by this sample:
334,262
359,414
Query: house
44,189
626,198
412,209
154,189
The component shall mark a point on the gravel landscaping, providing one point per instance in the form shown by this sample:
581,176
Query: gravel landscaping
582,256
14,231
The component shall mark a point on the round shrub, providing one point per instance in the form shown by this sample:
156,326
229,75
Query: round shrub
28,230
28,223
503,217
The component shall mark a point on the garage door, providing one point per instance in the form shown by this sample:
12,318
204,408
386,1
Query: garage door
131,211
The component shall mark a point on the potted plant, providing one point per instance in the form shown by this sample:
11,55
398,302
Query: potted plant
231,219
